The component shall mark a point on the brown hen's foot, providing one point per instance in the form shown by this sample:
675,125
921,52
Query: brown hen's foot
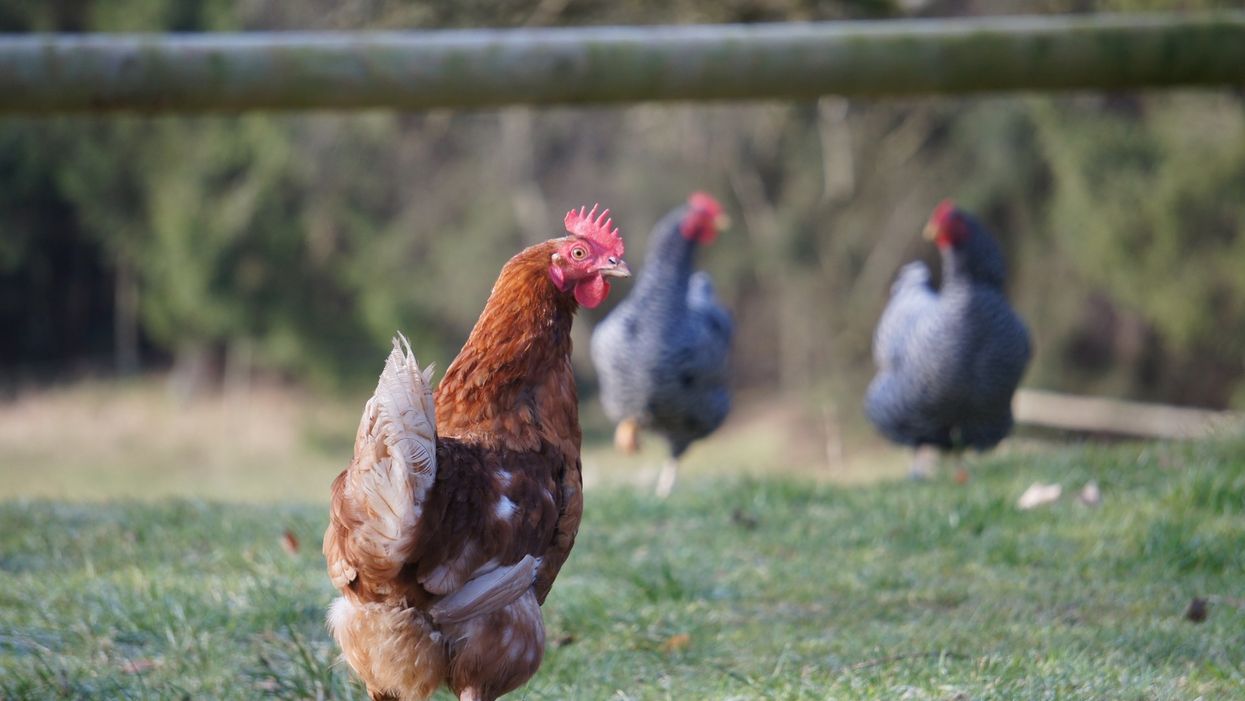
665,479
627,436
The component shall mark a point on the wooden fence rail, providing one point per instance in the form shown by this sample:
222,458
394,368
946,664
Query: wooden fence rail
50,73
1119,418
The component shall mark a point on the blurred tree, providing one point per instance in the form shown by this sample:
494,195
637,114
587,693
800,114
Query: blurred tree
1147,205
300,243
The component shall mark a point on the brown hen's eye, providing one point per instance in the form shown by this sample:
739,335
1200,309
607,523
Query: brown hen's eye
578,253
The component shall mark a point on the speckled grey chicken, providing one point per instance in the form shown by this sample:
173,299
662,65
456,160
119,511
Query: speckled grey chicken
662,354
949,361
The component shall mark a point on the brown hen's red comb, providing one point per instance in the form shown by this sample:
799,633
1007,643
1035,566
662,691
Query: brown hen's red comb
599,230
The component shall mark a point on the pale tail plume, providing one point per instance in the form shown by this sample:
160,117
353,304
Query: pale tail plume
404,400
394,466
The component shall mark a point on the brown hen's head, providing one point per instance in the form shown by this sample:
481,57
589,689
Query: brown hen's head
703,219
947,226
590,254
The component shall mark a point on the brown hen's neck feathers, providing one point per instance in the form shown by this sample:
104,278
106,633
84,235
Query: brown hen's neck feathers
511,384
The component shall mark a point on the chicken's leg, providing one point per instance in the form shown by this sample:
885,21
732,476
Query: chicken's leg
924,462
961,468
666,477
627,436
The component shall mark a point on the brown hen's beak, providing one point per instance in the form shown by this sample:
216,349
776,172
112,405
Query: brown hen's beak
931,231
617,267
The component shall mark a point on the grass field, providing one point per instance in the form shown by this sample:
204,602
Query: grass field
737,587
150,563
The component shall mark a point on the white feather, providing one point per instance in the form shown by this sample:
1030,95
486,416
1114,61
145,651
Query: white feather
395,456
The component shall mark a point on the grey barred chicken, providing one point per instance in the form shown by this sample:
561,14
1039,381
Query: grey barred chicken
948,361
662,354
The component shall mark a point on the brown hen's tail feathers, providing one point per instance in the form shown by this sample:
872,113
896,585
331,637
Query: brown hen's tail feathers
394,466
404,398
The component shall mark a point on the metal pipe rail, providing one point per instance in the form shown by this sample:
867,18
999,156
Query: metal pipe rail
51,73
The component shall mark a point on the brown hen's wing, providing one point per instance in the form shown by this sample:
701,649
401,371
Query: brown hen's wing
377,502
570,501
486,593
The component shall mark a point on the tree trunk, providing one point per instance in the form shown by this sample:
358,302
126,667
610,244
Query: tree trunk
125,319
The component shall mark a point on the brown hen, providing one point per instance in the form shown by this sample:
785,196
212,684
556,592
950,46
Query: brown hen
445,541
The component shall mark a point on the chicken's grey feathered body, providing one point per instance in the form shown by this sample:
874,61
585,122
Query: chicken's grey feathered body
949,361
662,354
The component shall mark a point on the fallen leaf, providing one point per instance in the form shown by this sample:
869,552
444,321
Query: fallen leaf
564,640
137,666
1197,610
289,542
677,642
1090,494
1039,494
961,476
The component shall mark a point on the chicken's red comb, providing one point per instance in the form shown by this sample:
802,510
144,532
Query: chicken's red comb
942,212
704,201
597,228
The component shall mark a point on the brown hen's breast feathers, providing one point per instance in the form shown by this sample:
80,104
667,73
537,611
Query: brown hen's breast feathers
508,481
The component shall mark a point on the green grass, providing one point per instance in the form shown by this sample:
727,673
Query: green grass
735,588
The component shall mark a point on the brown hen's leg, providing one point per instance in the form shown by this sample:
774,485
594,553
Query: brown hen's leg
627,436
469,694
666,477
